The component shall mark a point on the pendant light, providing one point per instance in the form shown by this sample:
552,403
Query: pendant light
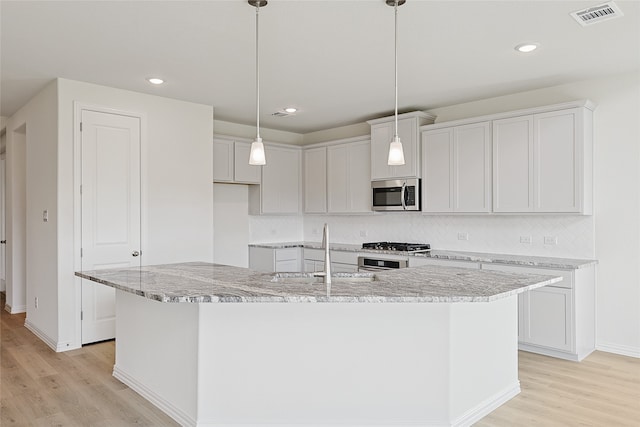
396,153
256,156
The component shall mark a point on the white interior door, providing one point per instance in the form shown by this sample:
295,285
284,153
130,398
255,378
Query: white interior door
3,236
110,212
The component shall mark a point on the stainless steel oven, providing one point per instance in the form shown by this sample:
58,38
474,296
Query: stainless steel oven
377,263
396,195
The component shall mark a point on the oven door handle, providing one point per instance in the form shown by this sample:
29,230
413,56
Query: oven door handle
403,195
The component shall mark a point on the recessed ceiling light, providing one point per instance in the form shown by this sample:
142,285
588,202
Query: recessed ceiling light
527,47
155,81
291,109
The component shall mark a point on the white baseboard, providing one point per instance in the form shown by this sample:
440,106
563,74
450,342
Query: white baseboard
161,403
44,337
623,350
15,310
473,415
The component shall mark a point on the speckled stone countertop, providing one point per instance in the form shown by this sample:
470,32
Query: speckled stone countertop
479,257
198,282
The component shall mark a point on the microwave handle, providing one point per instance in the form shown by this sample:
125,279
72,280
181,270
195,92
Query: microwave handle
403,195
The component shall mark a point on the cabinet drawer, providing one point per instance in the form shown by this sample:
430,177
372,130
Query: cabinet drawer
314,254
287,254
344,257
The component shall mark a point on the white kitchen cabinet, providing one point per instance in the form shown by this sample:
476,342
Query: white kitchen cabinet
341,261
243,172
274,259
348,177
231,162
280,190
559,319
543,162
382,131
222,160
457,168
315,180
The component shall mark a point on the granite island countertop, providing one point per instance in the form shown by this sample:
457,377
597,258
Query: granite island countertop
200,282
478,257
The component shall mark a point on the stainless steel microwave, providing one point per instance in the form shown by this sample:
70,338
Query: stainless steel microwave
396,195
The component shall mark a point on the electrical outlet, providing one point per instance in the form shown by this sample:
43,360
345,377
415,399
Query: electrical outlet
463,236
363,233
45,215
273,232
525,239
550,240
36,302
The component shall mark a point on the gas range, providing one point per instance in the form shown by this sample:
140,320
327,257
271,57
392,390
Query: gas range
399,247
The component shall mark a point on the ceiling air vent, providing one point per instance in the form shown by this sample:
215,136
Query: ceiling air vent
594,15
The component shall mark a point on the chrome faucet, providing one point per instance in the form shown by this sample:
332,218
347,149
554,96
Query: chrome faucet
326,273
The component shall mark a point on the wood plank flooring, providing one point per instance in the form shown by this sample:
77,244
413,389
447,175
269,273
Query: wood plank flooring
40,387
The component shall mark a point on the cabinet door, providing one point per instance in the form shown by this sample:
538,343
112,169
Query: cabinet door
243,171
408,133
472,168
557,174
547,318
381,135
222,160
315,180
359,171
437,161
349,186
280,192
513,164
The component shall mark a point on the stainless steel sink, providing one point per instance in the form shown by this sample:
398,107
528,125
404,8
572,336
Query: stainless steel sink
310,278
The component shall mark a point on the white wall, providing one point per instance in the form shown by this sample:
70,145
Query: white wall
177,175
177,194
31,187
231,224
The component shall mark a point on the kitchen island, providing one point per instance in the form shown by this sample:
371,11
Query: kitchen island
215,345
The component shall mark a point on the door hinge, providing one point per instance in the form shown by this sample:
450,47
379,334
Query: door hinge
81,253
80,188
80,126
82,315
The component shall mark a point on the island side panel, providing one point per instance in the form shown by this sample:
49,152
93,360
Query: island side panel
322,364
484,358
157,353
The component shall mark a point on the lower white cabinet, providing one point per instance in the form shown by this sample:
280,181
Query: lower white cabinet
274,259
341,261
557,320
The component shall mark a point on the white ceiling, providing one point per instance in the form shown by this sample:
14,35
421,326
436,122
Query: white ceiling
331,59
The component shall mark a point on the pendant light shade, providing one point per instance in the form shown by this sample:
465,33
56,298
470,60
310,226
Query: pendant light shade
257,156
396,153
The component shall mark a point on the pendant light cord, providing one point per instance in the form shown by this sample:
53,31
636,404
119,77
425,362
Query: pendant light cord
395,7
257,71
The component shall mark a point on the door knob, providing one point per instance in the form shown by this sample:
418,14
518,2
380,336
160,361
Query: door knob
4,242
135,253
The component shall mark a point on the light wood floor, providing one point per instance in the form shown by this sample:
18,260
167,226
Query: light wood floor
42,388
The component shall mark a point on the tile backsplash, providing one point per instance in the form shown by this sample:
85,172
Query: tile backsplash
543,235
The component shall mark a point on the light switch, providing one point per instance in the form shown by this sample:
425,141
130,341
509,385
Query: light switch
45,215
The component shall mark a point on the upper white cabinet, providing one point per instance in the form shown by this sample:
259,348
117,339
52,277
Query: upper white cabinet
243,171
281,182
349,185
543,162
456,165
408,130
231,162
315,180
